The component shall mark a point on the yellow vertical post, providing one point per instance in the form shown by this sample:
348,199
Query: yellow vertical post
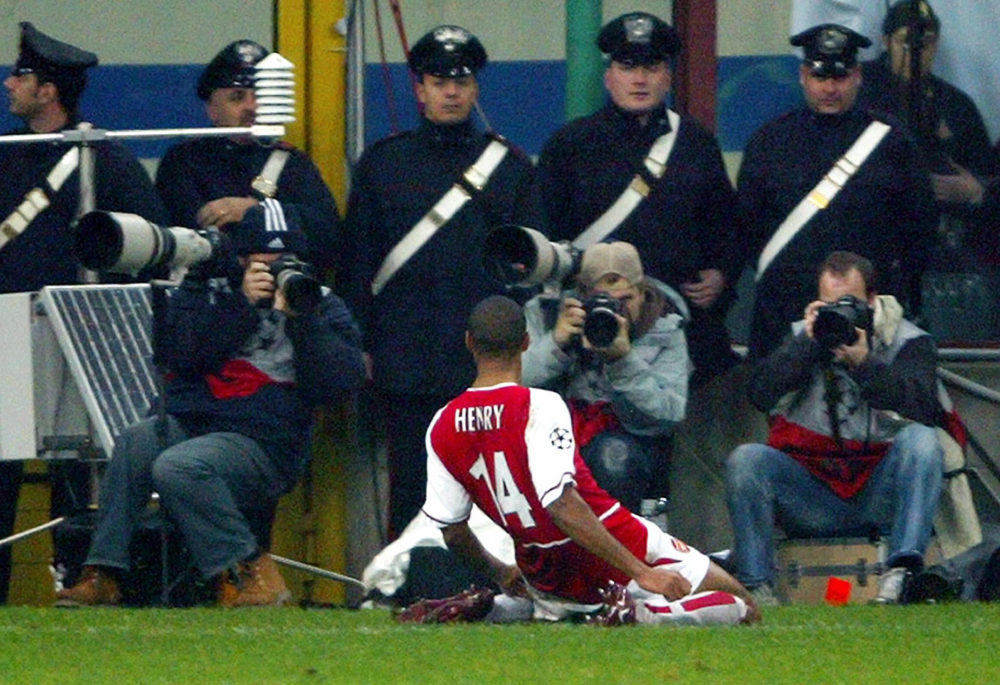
307,35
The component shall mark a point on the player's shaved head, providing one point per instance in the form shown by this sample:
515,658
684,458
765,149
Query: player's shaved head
497,326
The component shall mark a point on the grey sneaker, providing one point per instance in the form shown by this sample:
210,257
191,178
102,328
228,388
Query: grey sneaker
890,585
764,595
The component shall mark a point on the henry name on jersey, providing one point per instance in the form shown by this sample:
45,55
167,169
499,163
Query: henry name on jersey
472,419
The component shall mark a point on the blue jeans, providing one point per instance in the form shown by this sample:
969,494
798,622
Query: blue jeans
765,487
203,483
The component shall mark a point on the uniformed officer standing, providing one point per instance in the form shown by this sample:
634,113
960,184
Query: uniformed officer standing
44,89
420,207
876,202
212,181
944,120
40,198
684,222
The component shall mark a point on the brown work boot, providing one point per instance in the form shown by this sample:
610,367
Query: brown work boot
255,583
95,588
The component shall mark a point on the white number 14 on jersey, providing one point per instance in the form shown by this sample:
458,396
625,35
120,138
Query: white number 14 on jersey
508,498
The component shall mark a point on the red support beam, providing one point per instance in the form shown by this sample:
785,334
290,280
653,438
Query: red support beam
694,84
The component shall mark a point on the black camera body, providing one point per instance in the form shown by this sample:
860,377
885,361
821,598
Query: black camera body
835,323
601,324
294,279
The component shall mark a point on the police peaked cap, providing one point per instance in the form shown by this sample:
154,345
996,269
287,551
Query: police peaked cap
233,67
49,56
830,49
905,12
447,51
638,38
269,227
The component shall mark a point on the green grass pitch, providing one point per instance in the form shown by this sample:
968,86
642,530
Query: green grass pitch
958,643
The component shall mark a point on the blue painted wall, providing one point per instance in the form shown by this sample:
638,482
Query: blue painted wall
524,100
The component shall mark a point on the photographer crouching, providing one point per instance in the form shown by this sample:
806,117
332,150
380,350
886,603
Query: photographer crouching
614,348
248,354
852,398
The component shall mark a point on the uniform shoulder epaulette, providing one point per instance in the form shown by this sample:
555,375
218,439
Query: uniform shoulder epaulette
389,140
517,150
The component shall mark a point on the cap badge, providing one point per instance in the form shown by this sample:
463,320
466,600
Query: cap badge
831,41
451,35
638,29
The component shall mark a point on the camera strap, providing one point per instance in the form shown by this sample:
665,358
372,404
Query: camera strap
36,200
476,177
822,195
636,191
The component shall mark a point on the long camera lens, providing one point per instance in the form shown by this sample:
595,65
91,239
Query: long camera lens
126,243
521,256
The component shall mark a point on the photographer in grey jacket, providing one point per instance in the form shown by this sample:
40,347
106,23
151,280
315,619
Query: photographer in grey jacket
614,348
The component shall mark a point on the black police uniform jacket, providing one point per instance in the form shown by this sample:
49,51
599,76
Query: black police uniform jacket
414,328
197,171
687,223
966,142
885,212
959,135
43,254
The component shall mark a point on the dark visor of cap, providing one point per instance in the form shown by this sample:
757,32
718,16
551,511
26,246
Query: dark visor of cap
827,68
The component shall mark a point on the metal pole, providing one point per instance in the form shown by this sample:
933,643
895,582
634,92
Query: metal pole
87,190
31,531
317,571
584,64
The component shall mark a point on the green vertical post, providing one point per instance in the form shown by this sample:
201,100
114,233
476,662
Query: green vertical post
584,62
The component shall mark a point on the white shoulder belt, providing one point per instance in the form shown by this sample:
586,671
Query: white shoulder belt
267,182
36,201
822,195
637,190
477,176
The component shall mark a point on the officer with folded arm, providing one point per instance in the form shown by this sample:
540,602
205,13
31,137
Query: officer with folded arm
213,181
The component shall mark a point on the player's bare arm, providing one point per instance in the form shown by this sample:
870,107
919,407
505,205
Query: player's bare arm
463,542
576,519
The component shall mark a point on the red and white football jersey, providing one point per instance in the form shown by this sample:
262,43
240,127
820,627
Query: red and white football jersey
510,449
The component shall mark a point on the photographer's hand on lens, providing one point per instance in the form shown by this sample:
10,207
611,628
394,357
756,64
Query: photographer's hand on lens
809,316
618,348
224,210
855,354
851,355
569,325
258,283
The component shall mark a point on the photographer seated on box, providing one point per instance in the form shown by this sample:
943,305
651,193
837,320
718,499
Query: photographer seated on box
614,348
852,399
245,369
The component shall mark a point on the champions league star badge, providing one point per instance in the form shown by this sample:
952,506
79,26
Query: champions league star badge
561,438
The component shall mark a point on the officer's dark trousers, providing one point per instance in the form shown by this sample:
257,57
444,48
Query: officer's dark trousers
406,418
